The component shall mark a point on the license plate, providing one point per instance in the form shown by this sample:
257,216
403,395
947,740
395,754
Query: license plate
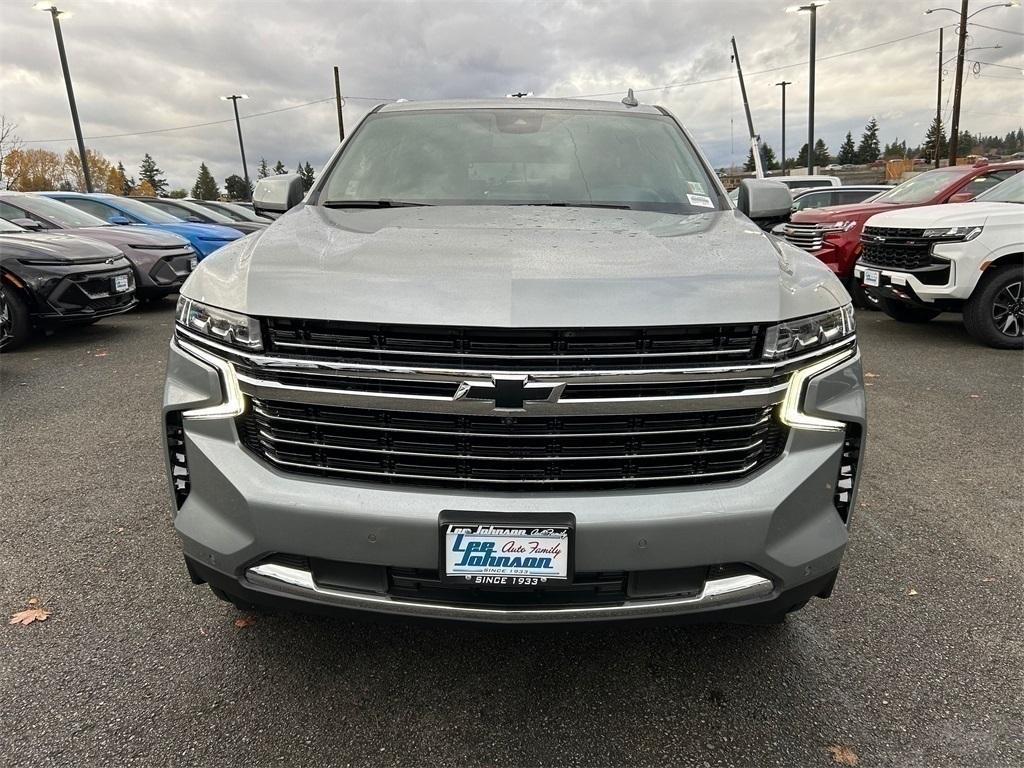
871,277
505,554
193,263
120,283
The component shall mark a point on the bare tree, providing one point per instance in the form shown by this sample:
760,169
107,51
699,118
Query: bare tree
9,142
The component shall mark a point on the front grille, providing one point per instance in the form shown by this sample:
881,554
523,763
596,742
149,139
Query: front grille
511,349
92,292
425,585
512,452
901,249
810,237
181,482
848,465
894,232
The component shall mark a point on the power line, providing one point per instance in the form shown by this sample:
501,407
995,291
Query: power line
996,29
204,125
760,72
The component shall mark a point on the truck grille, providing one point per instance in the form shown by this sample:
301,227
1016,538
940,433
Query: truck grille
900,249
511,349
512,452
810,237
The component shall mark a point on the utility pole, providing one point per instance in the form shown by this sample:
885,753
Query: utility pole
810,92
55,13
238,124
954,128
755,148
938,105
339,103
784,83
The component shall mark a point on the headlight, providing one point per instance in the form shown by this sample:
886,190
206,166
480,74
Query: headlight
229,328
792,337
790,412
952,233
838,226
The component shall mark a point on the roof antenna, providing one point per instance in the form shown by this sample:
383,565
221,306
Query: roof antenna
518,95
630,100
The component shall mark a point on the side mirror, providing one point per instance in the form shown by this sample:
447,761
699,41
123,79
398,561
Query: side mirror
30,224
276,194
961,197
764,202
118,218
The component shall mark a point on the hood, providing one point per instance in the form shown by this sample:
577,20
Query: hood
854,211
188,230
56,246
504,266
133,237
950,214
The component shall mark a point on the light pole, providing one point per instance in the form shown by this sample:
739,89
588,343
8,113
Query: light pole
55,13
812,8
954,127
784,83
238,124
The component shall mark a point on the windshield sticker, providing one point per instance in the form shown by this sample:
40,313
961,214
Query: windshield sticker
701,201
696,187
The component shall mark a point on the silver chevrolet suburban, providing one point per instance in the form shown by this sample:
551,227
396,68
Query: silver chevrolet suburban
515,362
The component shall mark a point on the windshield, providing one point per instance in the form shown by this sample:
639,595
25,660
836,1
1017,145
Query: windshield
61,214
147,213
238,212
522,157
923,188
1009,191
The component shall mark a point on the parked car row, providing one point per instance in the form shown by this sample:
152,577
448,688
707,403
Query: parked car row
914,265
68,258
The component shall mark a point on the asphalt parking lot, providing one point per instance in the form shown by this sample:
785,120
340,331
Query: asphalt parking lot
916,661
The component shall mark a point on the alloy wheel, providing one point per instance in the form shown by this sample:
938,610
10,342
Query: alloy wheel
5,320
1008,310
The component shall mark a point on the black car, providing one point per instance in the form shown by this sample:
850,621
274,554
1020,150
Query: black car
48,280
189,211
234,211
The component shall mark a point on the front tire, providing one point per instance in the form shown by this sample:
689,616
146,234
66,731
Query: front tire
994,315
907,313
15,321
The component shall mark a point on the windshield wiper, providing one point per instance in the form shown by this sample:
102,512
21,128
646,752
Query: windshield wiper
564,204
372,204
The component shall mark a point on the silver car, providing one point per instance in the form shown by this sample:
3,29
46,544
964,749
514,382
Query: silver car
515,362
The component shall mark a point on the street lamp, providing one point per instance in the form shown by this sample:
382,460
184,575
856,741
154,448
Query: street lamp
784,83
812,8
233,98
55,14
954,127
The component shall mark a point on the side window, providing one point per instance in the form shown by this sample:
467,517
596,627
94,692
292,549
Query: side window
94,207
845,198
979,184
813,200
9,212
174,211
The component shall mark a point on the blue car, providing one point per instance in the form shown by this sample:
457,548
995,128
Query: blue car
205,238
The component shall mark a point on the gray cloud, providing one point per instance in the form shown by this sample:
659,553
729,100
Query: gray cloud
141,65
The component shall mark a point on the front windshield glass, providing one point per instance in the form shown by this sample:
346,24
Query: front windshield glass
522,157
147,213
1009,191
61,214
921,189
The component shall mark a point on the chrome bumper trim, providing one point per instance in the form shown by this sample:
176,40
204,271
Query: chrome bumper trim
273,578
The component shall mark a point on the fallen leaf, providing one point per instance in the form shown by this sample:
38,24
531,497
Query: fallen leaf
245,621
974,397
843,755
29,615
34,602
100,354
911,592
872,376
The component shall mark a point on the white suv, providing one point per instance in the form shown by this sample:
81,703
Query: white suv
920,262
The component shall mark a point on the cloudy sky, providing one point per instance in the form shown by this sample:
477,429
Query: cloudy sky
144,66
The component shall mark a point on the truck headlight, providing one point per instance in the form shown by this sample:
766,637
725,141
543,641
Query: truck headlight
231,328
804,334
838,226
790,411
958,234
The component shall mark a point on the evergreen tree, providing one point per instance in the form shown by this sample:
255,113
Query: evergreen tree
771,162
236,188
263,172
847,151
279,168
935,141
127,185
178,194
967,144
821,155
308,176
869,149
148,171
205,187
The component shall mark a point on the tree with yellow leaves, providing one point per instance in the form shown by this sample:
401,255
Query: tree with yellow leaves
74,179
29,170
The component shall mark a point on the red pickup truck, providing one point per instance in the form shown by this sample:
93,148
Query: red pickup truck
833,234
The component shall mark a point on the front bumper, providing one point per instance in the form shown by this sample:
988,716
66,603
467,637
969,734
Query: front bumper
72,293
782,522
159,271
